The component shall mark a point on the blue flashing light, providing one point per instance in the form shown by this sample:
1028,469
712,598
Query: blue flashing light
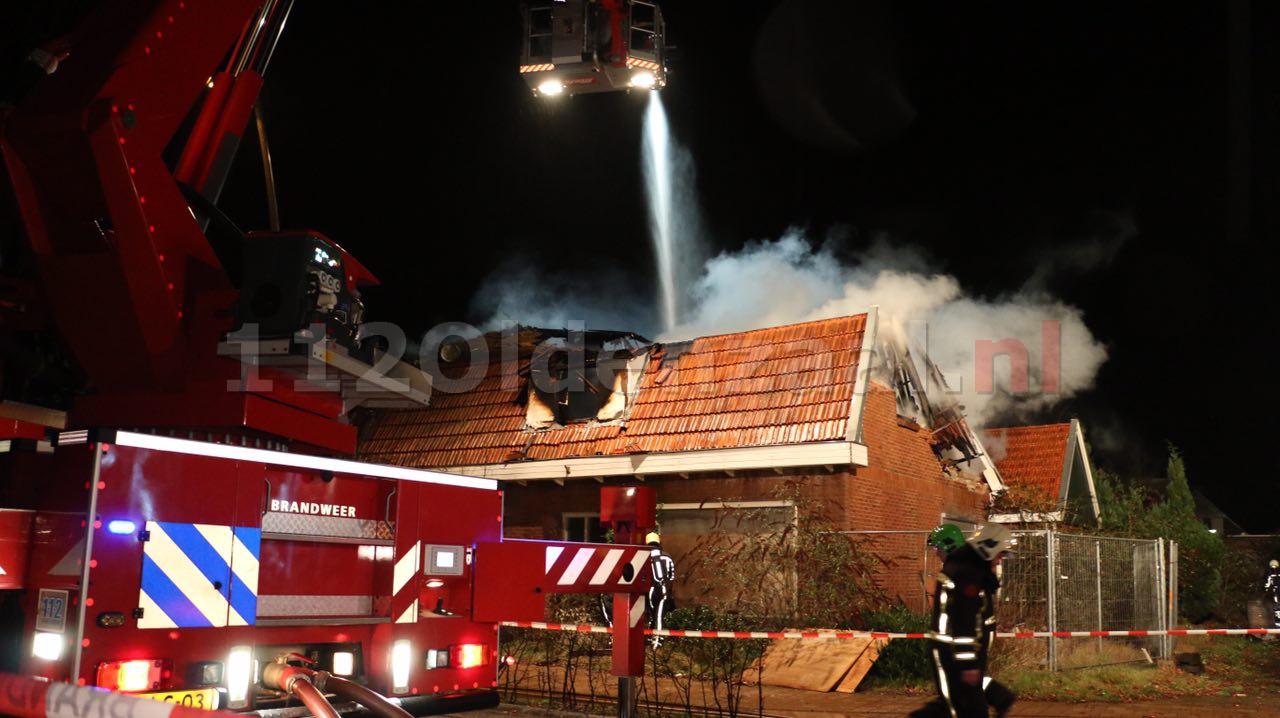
121,526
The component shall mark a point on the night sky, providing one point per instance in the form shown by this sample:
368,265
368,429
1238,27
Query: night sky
992,137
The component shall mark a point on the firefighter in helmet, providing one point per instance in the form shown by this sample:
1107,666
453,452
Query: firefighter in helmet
1271,588
946,538
659,600
964,624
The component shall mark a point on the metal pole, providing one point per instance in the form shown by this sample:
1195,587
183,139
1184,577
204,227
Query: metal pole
626,696
1052,604
1097,551
1161,615
268,171
1173,596
82,608
1137,554
924,581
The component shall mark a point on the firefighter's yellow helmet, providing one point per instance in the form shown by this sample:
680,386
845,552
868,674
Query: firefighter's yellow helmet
652,537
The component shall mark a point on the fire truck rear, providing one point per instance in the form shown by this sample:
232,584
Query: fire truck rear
178,515
208,561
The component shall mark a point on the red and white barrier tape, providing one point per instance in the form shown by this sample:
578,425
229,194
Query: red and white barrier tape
580,628
1143,634
30,698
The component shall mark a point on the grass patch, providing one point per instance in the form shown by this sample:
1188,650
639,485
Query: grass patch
1237,664
1107,684
1232,665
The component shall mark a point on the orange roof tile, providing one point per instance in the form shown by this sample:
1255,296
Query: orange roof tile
782,385
1030,456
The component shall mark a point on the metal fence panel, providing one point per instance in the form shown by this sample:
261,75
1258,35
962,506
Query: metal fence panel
1068,582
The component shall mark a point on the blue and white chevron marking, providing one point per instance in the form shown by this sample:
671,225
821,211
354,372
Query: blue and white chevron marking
199,575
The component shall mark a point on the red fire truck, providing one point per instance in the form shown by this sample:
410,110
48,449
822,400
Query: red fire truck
185,525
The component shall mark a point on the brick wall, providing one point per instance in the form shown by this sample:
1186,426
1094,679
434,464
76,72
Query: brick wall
903,489
541,503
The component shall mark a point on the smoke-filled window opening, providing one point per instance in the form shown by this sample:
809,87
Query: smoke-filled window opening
595,380
565,387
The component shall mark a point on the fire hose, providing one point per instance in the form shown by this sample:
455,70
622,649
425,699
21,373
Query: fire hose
300,682
371,700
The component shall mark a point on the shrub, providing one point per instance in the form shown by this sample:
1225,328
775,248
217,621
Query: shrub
1127,510
905,660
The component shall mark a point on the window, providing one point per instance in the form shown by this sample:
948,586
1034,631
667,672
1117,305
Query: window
539,29
583,527
703,537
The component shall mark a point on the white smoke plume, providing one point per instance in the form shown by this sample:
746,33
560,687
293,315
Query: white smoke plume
523,291
790,280
995,446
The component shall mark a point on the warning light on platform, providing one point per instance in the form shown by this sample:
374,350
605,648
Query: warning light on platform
122,527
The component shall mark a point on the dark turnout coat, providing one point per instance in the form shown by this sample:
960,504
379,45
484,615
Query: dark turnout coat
964,609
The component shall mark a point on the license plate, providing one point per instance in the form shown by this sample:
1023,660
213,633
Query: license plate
206,698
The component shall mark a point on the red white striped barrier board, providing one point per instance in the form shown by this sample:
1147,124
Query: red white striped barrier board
594,567
646,64
30,698
828,635
541,67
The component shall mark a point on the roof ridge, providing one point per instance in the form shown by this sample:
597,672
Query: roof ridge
767,329
1053,425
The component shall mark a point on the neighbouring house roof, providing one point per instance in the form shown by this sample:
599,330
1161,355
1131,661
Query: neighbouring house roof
1050,460
776,387
1030,456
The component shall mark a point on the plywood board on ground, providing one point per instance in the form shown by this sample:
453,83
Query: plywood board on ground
807,665
858,671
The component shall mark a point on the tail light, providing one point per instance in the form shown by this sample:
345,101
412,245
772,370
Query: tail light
239,673
133,676
468,655
401,657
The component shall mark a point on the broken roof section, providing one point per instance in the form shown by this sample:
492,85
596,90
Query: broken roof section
1047,469
781,386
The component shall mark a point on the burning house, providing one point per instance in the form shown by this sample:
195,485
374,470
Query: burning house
716,424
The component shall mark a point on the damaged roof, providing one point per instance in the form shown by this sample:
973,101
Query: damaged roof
777,386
